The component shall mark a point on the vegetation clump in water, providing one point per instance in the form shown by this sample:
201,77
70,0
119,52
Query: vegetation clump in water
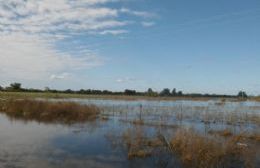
46,111
195,150
191,148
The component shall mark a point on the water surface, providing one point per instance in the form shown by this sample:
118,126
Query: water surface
32,144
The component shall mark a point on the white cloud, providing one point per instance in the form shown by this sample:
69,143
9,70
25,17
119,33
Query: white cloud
59,76
30,30
126,80
143,14
30,57
113,32
148,24
48,16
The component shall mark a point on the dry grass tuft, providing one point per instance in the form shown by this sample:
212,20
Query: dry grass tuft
138,144
255,137
139,154
45,111
251,136
198,151
223,133
227,134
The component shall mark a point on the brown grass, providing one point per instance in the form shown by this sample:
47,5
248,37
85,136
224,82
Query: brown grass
45,111
138,144
254,118
255,98
151,124
139,154
227,133
255,137
223,133
114,97
193,149
198,151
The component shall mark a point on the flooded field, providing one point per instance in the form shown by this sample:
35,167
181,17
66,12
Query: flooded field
139,134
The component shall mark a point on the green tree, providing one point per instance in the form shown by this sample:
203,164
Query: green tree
165,92
150,92
242,94
16,86
47,89
174,92
130,92
180,93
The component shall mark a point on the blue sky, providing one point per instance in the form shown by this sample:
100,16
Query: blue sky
203,46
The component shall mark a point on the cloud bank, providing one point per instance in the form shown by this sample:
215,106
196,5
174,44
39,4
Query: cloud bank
29,31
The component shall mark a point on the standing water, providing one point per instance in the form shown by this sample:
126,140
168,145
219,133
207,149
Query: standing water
30,144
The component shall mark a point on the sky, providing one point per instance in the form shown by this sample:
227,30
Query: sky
205,46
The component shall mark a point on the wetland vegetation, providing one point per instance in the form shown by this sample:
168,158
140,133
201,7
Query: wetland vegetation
47,111
129,84
146,133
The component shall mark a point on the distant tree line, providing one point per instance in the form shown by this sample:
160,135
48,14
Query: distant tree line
166,92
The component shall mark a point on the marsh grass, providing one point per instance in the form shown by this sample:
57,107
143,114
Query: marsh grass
195,150
226,133
256,99
255,137
212,114
139,154
157,124
138,144
28,95
45,111
223,133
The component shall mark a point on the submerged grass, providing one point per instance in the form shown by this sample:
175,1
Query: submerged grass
45,111
149,123
138,144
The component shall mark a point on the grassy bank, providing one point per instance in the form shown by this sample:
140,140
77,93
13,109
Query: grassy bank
256,99
45,111
26,95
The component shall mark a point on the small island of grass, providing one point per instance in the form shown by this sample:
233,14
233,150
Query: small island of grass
47,111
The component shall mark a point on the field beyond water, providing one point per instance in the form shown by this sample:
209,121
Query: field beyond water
27,95
45,131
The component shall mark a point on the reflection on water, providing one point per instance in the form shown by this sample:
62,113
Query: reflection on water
32,144
38,145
